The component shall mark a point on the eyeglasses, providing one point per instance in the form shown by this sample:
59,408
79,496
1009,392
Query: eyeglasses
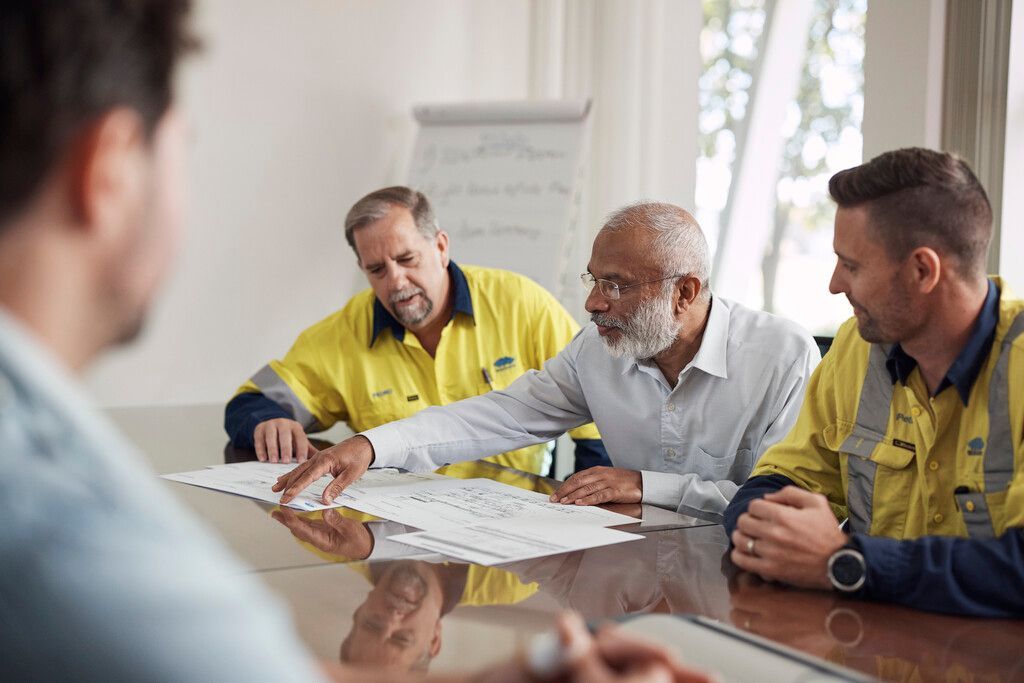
612,290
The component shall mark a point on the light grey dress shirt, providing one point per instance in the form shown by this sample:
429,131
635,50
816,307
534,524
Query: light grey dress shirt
103,575
694,443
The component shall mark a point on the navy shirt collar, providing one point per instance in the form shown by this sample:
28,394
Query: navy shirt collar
965,368
383,320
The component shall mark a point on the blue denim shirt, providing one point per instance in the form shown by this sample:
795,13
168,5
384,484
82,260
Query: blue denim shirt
103,575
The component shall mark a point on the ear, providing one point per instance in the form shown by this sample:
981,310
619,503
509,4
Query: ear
441,242
925,269
435,642
107,179
688,289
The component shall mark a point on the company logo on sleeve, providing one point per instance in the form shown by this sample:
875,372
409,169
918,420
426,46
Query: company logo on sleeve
976,446
382,393
504,363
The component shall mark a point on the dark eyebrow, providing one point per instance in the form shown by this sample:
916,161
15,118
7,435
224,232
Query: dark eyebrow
606,276
846,258
403,255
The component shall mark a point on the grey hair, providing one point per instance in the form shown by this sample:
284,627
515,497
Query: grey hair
377,205
679,245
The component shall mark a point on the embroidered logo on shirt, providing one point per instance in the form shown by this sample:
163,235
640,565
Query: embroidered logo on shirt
382,394
504,363
976,446
904,418
412,397
904,444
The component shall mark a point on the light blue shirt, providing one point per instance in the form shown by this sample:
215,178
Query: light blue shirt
694,443
103,575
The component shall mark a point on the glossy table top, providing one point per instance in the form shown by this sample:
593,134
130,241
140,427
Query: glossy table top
459,617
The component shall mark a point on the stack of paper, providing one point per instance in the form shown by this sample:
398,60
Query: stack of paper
255,479
477,520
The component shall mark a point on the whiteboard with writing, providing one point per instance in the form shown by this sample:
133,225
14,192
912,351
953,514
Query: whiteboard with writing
504,180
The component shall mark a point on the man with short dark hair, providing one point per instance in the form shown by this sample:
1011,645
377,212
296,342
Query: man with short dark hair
428,332
913,428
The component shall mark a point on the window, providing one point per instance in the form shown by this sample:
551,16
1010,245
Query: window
782,100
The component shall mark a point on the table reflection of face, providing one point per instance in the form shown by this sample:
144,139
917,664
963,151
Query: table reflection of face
399,623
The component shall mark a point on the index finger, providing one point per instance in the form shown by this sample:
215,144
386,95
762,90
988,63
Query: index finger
287,477
585,488
570,485
311,471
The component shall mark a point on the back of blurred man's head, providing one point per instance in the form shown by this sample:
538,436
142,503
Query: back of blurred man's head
90,159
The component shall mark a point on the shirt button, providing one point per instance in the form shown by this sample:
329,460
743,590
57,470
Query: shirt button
970,506
671,407
670,453
933,465
938,518
915,411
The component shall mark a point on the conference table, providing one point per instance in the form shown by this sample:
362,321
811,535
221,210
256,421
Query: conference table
345,582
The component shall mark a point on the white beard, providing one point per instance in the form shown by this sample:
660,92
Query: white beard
649,331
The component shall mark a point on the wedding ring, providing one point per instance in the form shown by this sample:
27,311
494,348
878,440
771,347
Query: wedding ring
750,547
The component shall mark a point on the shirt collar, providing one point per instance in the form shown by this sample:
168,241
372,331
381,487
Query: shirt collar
710,357
967,365
383,320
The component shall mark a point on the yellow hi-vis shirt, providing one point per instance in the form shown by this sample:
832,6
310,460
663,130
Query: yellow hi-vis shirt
340,370
936,466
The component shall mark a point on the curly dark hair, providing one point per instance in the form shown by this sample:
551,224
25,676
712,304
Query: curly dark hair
64,63
919,197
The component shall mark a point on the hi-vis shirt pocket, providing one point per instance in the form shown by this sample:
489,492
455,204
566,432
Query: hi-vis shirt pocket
858,441
878,479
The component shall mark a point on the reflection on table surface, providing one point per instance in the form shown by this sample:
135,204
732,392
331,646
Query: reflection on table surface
359,597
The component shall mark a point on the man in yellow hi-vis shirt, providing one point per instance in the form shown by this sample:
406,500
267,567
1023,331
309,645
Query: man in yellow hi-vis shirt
428,332
912,425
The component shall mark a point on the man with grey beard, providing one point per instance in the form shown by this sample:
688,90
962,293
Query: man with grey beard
688,390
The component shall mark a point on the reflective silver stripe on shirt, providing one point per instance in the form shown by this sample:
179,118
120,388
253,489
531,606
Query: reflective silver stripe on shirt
999,451
278,391
869,429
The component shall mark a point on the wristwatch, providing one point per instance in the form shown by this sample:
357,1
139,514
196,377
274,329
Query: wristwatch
847,569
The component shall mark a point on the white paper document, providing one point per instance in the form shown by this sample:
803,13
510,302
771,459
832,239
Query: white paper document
511,540
448,502
255,479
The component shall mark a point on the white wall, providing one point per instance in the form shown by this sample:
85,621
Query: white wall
298,109
1011,265
903,66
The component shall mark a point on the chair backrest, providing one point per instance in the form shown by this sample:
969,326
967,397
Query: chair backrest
824,344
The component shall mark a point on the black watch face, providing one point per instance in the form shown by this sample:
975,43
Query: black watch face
847,569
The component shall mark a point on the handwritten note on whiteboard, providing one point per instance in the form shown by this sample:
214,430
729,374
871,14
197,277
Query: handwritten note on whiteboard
504,180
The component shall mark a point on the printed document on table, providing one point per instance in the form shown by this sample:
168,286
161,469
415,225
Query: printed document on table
511,540
449,502
255,479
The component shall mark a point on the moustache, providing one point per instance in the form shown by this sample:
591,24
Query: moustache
607,321
402,294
